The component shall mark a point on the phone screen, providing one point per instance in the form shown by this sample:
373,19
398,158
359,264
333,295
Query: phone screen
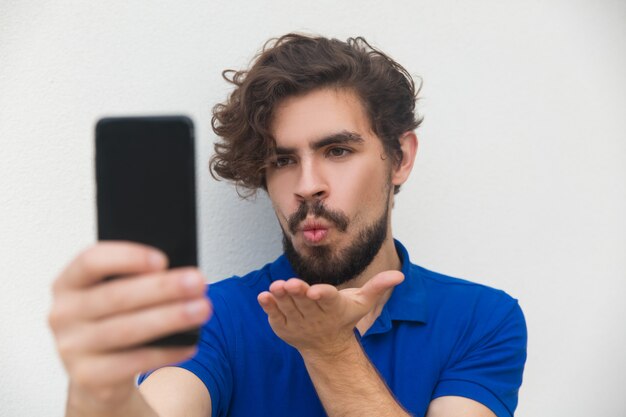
145,172
145,175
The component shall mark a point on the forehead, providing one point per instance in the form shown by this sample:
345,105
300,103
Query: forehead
301,119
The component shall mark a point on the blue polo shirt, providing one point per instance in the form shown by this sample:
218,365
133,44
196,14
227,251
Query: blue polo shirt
435,336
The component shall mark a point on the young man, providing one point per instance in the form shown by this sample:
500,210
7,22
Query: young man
342,324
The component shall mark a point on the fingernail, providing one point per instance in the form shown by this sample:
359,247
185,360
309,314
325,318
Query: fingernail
156,259
190,280
194,308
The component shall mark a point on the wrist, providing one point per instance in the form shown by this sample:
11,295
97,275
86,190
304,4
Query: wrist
339,351
121,400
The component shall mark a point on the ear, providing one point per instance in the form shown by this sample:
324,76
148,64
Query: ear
408,144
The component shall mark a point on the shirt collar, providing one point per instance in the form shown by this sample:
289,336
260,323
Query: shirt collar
407,301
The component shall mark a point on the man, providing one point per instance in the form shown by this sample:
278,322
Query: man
342,324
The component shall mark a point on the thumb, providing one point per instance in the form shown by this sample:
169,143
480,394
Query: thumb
379,283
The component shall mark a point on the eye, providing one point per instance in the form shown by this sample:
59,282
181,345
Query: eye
338,152
282,161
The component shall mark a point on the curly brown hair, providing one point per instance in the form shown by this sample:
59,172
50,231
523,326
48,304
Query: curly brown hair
295,64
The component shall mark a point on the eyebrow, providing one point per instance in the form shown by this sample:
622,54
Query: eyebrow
344,137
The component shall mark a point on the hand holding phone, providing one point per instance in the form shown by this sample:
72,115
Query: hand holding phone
101,328
145,174
146,217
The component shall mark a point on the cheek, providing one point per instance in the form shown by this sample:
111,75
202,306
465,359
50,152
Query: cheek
360,191
281,197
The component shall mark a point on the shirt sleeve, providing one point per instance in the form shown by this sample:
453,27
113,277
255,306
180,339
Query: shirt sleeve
210,363
490,366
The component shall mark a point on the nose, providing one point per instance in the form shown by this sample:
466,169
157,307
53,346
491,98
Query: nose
311,183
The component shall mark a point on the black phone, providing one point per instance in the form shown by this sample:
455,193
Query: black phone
146,193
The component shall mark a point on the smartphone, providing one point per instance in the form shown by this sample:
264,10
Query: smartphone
146,193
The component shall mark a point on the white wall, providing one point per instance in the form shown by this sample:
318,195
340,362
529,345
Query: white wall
519,182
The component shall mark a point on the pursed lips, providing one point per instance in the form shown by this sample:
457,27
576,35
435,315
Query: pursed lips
314,230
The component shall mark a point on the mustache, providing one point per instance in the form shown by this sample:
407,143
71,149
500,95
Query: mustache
317,209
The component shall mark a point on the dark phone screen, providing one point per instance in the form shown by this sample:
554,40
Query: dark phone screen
145,172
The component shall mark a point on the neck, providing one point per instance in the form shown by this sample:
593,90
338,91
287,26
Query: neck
386,259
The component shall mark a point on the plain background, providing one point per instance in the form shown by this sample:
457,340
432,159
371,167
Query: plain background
519,181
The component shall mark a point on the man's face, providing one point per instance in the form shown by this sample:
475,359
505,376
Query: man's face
330,185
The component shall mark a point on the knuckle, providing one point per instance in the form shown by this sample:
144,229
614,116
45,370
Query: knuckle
57,285
54,319
118,297
81,374
118,302
124,334
79,305
88,258
66,348
124,294
58,315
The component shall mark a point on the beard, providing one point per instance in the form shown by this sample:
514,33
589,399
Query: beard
335,267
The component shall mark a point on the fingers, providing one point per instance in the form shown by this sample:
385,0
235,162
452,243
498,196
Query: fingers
298,290
316,317
284,300
292,298
110,258
127,294
288,299
100,327
127,330
324,295
296,298
269,305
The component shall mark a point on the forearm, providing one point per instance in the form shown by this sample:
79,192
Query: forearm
349,385
122,402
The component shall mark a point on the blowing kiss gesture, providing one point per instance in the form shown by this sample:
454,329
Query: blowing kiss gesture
320,319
